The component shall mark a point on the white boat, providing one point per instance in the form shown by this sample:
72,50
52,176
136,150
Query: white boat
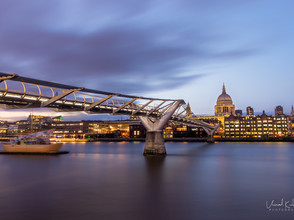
34,143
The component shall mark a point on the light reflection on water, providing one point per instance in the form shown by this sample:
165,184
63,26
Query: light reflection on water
115,181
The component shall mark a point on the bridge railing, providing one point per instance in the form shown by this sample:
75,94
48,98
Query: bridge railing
36,93
22,92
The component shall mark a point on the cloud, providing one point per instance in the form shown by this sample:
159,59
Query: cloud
125,47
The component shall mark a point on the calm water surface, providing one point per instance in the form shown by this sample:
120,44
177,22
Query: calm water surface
115,181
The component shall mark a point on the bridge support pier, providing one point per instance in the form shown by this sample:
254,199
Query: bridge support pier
154,143
210,133
210,139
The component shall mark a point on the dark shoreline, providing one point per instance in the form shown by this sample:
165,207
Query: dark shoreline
288,139
284,139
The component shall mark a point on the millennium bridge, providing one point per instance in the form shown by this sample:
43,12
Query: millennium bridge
18,92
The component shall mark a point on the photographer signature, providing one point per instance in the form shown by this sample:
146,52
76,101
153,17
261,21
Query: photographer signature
287,204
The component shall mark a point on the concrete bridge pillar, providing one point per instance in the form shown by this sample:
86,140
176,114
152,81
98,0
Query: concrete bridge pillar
210,133
154,142
210,139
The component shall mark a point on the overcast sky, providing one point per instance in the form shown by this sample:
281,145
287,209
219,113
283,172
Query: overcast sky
168,48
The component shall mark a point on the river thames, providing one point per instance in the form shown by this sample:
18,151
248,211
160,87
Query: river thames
113,180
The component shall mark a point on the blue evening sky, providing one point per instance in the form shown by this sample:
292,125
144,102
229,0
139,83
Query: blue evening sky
168,48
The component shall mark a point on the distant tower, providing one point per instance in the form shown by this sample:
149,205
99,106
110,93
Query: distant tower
292,111
279,110
249,110
224,104
292,114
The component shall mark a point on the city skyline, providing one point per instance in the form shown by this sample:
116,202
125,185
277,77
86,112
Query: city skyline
178,49
22,114
224,107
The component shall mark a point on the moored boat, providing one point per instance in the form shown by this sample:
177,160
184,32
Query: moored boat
32,148
34,143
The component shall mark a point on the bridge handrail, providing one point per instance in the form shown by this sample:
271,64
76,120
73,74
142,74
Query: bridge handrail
118,102
64,86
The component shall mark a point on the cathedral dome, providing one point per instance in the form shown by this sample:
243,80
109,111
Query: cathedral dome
224,98
224,104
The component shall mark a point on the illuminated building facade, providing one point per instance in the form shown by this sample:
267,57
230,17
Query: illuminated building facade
69,129
214,120
168,131
33,123
90,130
224,104
119,128
137,131
257,126
292,119
189,132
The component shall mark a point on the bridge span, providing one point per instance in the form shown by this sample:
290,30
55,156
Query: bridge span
17,92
